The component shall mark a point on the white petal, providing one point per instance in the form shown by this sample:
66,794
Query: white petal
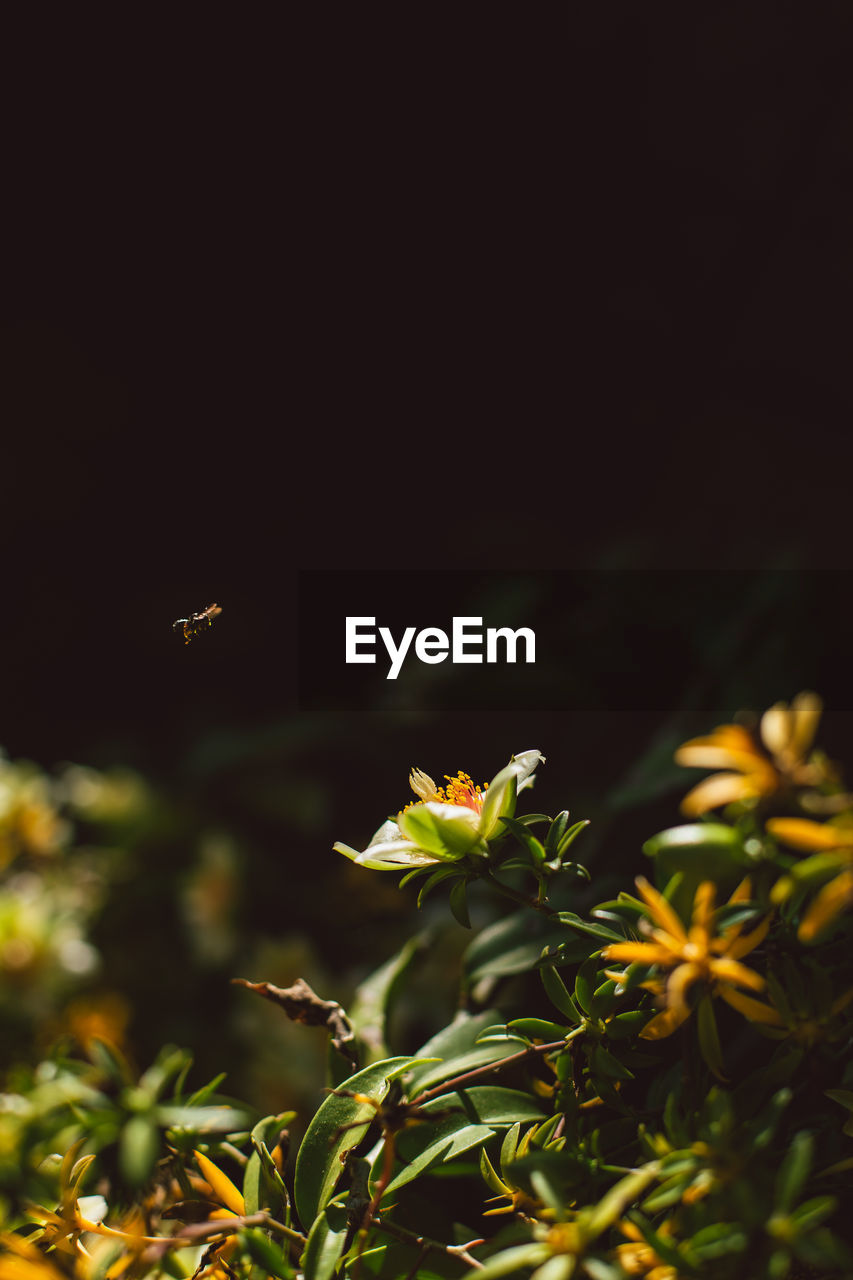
394,857
526,762
387,832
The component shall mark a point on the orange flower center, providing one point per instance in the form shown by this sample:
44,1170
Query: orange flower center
460,791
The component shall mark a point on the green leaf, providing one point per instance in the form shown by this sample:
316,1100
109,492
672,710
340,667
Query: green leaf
570,837
718,1240
598,1269
709,1040
793,1172
267,1255
139,1148
427,1144
547,1188
842,1096
698,851
574,868
617,1199
452,1041
767,1121
819,867
490,1104
413,875
490,1175
669,1193
630,1023
812,1212
738,913
373,997
692,838
603,1000
556,832
607,1065
201,1119
480,1055
533,846
662,1245
443,873
318,1165
558,994
585,982
206,1092
624,906
112,1061
271,1173
509,1146
256,1187
538,1029
459,903
515,945
326,1240
586,926
509,1260
560,1267
168,1063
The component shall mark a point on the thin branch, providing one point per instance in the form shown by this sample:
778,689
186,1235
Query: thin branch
490,1068
209,1230
425,1243
301,1004
522,898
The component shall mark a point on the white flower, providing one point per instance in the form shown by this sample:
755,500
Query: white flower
447,822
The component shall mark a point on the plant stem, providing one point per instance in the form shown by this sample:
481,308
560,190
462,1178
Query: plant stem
489,1068
410,1237
521,898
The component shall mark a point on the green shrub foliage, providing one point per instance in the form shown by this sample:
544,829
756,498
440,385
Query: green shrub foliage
658,1084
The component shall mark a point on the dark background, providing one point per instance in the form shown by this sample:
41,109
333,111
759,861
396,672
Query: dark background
537,312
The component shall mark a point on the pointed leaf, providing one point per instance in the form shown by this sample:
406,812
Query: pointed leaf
426,1144
326,1240
318,1165
459,903
793,1172
373,996
558,993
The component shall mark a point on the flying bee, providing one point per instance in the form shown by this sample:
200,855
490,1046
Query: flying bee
196,622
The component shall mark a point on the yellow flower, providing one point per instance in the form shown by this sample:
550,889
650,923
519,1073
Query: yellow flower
832,900
234,1206
809,836
77,1216
638,1258
695,955
21,1260
753,769
222,1187
832,847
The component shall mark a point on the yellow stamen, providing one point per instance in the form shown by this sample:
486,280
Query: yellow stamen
460,790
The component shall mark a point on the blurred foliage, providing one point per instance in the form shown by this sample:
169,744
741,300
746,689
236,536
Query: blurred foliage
654,1080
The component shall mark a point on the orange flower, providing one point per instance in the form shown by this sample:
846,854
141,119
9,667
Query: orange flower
753,769
831,845
638,1258
695,955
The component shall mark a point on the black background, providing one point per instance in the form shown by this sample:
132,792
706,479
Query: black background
540,311
451,290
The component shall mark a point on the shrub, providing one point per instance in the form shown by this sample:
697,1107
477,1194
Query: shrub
658,1084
